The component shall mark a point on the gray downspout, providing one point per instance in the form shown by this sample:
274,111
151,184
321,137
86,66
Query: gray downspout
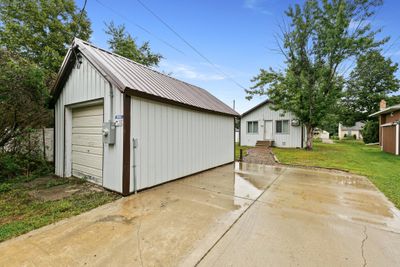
134,146
302,135
111,103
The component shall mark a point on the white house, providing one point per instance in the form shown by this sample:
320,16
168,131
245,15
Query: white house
127,127
261,123
352,131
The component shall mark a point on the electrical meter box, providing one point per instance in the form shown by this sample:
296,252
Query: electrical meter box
109,133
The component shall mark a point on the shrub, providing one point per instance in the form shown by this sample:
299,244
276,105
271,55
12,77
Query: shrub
5,187
354,136
335,137
370,132
9,166
16,165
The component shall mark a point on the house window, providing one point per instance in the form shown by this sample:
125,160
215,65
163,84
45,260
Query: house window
282,126
252,127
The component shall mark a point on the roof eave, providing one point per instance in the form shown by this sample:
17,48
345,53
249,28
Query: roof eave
256,107
141,94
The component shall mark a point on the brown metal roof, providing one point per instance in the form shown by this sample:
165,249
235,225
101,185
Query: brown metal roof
130,75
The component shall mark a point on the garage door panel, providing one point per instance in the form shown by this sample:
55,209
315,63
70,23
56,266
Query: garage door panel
91,174
92,121
88,111
87,149
90,140
89,160
87,143
87,130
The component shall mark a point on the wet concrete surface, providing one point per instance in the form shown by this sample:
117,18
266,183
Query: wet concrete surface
236,215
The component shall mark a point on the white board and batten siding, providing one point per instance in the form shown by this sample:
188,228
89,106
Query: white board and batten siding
174,142
85,87
264,115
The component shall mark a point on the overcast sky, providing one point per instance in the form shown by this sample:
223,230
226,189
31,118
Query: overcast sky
237,36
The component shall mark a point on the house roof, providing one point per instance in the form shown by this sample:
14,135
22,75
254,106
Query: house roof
256,107
137,79
356,127
386,110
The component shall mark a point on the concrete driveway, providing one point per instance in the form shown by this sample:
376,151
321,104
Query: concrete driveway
235,215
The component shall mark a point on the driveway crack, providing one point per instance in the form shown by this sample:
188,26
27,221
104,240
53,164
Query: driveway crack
362,246
239,217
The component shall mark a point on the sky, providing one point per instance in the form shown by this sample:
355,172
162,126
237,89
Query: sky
236,36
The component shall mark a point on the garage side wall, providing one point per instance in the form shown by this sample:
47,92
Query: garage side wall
84,85
174,142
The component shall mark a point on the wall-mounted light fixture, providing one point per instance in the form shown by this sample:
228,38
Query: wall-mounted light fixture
79,60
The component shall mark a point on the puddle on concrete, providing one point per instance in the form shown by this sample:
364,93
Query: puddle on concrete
117,219
244,187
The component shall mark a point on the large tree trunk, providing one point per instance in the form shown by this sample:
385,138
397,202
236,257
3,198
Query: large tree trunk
310,135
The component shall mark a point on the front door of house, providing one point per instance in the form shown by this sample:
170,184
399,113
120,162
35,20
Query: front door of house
268,134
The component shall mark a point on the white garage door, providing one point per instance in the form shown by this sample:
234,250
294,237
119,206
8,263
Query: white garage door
87,144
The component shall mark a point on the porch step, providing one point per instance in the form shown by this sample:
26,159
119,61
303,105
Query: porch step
264,143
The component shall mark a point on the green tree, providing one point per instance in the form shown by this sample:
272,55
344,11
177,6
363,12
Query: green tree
371,80
370,132
23,93
392,100
122,43
319,37
41,30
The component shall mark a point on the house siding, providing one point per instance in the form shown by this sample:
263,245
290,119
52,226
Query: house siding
174,142
263,113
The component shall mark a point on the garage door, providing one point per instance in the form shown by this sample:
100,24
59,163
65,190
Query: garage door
87,144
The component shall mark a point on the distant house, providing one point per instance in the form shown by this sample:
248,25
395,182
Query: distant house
263,125
389,132
354,130
322,134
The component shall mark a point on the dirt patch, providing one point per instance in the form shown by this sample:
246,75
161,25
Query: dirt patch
260,155
52,188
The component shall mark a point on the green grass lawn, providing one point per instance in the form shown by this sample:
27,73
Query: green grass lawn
237,150
383,169
28,203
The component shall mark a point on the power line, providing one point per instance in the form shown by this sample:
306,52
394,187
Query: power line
80,18
190,45
140,27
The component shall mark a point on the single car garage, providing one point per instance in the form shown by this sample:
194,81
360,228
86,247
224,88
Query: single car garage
128,127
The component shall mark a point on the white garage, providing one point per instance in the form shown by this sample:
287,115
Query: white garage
128,127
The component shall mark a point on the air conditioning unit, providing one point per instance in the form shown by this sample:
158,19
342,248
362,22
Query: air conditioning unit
295,122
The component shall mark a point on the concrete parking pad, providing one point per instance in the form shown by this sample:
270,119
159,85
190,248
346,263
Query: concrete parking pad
236,215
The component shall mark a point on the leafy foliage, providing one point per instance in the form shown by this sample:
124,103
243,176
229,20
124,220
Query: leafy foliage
41,30
23,94
318,39
22,165
370,132
124,44
392,100
372,79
